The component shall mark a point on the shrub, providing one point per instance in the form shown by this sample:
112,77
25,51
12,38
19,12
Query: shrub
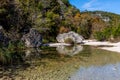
19,45
100,36
116,32
107,32
11,46
10,57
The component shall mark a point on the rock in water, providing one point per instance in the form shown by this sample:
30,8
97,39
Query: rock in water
32,39
72,35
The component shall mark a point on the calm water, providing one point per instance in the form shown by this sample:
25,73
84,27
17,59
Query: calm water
62,63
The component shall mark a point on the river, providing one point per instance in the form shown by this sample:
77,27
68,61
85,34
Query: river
62,63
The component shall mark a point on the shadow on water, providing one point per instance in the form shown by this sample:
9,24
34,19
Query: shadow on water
10,61
51,63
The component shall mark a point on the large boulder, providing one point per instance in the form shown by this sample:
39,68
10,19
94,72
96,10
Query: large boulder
32,39
72,35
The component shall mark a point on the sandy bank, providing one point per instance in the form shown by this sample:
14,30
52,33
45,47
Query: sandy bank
115,47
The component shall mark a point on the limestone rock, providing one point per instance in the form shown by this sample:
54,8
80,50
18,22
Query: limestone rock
72,35
32,39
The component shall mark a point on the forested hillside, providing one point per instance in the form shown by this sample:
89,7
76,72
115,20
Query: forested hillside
51,17
110,29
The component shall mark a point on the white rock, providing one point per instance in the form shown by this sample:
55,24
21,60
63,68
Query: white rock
74,36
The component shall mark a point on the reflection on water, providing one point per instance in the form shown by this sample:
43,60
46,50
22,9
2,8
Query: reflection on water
69,50
32,52
60,64
106,72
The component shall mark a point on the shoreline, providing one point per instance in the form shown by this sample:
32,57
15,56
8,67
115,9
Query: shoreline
105,45
114,47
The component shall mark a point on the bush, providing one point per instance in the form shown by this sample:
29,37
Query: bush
19,45
116,32
104,35
11,46
10,57
69,40
107,32
100,36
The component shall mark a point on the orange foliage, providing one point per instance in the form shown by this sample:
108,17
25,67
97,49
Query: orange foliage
63,29
77,16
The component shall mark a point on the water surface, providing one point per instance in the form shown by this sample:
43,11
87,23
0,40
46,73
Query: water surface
63,63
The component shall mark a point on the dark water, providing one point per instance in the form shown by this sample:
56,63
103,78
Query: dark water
61,63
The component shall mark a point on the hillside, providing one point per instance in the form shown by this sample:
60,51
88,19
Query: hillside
112,21
18,16
51,17
106,16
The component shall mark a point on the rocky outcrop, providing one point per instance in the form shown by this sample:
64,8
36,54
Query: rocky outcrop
72,35
32,39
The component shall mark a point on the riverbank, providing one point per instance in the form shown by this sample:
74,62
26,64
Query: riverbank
115,47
